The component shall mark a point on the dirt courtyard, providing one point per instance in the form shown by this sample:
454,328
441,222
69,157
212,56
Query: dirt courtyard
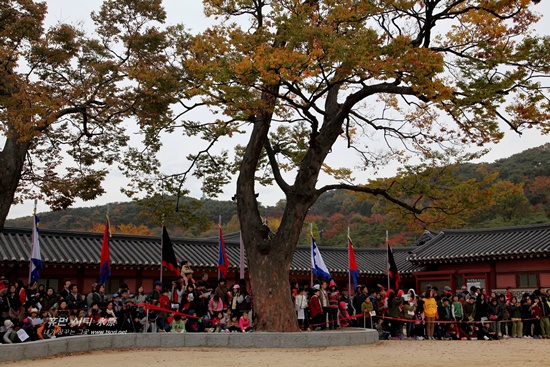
385,353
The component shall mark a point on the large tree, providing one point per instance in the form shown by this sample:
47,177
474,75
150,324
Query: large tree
64,96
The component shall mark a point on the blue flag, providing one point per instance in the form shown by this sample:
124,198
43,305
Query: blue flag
318,266
36,259
354,274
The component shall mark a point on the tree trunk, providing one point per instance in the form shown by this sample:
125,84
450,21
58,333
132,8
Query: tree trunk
269,279
12,159
269,259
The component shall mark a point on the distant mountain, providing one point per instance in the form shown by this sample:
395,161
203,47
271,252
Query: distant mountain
333,213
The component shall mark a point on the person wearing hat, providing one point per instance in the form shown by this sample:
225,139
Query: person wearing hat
116,300
8,336
316,310
31,323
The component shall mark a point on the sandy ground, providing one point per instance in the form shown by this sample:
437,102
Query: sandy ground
508,352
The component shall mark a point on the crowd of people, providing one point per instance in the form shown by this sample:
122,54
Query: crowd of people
467,314
32,312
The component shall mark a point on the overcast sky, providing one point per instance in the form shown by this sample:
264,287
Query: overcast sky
190,13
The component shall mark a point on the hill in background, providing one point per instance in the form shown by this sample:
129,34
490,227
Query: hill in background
524,177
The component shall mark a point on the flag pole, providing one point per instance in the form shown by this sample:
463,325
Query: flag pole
349,267
105,258
32,240
241,255
311,250
161,246
219,239
388,258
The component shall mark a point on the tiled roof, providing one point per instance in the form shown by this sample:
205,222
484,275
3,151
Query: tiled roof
370,261
63,247
484,244
426,237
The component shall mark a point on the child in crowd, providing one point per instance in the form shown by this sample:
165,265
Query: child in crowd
536,310
409,313
217,324
233,324
178,324
343,316
315,309
31,323
9,336
194,324
333,300
515,315
457,333
526,315
186,268
150,323
244,323
456,309
300,304
164,300
486,332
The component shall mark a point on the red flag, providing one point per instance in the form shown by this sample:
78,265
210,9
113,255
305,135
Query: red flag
352,263
105,263
223,261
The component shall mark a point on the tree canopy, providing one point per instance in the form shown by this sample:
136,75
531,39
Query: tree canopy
64,96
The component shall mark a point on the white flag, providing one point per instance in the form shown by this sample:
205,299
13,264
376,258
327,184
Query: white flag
36,259
317,264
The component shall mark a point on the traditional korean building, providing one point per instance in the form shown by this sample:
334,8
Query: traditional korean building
489,258
135,260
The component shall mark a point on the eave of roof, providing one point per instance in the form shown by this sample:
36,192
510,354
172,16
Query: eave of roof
83,248
454,246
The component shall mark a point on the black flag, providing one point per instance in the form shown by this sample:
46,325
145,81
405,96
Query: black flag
392,268
168,256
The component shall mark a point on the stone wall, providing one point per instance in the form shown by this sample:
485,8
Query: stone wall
85,343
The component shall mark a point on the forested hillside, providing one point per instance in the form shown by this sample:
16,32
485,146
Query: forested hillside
520,194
